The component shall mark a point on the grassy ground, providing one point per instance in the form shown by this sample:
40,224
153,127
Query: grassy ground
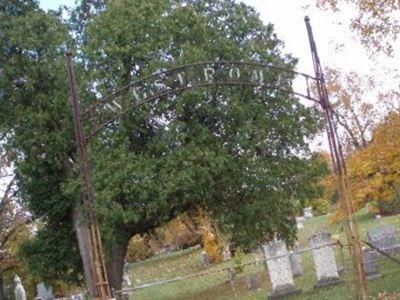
217,285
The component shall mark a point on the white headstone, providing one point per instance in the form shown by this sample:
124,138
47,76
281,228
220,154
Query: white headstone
44,292
19,290
226,254
279,269
77,297
204,259
126,281
307,212
324,259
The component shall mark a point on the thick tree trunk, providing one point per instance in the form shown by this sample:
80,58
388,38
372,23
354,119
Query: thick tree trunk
2,296
82,235
115,265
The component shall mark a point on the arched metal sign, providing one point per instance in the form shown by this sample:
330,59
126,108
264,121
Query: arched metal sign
263,77
268,78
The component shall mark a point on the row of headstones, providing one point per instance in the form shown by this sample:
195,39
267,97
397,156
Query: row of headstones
284,265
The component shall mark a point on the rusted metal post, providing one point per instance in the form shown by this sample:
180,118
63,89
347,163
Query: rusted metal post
361,290
101,288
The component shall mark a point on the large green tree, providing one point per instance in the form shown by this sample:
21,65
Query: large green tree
240,153
36,126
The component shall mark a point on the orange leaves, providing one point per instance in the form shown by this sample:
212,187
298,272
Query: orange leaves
374,171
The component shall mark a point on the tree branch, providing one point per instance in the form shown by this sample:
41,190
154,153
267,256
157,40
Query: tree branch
4,201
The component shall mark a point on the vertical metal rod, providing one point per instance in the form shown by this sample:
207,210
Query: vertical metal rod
98,268
361,290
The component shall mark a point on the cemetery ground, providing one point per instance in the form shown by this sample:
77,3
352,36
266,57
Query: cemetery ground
214,283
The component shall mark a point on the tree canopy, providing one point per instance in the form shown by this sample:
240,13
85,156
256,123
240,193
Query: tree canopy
239,153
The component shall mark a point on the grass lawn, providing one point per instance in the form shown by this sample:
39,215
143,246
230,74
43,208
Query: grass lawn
217,285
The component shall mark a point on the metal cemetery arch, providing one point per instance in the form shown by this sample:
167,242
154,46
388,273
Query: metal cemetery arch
200,75
193,76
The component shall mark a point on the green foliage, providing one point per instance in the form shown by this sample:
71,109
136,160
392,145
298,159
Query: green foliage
54,249
36,120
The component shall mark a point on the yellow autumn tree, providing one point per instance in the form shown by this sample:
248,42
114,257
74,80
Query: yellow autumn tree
213,242
374,171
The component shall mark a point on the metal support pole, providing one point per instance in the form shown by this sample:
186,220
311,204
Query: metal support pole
97,266
361,290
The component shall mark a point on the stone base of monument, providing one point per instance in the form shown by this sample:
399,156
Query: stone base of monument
284,291
324,282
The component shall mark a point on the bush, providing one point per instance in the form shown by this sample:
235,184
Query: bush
238,260
138,248
390,207
213,246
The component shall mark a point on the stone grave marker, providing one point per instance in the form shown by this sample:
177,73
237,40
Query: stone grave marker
204,259
44,292
77,297
299,222
19,290
280,272
126,281
307,212
371,268
384,238
324,259
226,254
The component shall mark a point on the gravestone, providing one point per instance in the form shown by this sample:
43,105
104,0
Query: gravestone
253,282
124,296
295,262
226,254
307,212
299,223
370,266
204,259
19,290
44,292
126,281
324,259
280,272
384,238
77,297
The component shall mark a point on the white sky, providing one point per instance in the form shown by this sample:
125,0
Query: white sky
330,30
